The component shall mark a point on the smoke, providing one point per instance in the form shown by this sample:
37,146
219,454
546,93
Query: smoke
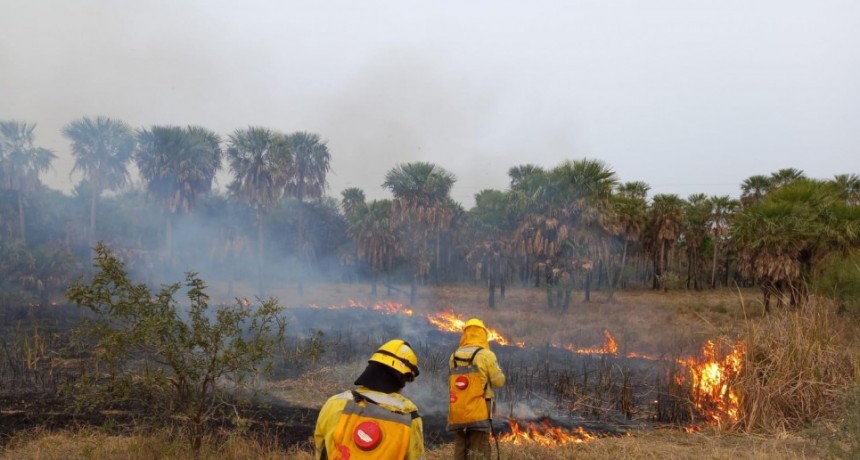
405,105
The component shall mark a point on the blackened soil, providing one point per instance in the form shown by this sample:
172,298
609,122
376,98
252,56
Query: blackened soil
277,425
272,423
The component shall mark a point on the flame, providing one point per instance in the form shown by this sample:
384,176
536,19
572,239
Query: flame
636,355
711,380
448,321
544,434
610,346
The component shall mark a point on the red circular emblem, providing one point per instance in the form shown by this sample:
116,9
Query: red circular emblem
461,382
367,435
344,453
452,396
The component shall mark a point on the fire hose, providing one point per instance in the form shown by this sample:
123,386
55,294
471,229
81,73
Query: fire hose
492,407
496,437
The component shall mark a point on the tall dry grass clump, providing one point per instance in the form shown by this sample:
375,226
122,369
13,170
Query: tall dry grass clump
799,365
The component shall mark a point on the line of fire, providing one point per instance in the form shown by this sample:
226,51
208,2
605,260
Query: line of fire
556,393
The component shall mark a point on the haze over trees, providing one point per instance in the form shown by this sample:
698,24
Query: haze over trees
569,229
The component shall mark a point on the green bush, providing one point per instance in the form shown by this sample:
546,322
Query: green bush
180,358
838,278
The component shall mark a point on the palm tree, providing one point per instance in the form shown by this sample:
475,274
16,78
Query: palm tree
570,219
377,241
586,187
722,208
259,160
490,258
754,188
524,177
306,179
665,221
178,165
102,148
630,208
529,199
785,176
421,207
783,236
21,163
697,213
352,199
849,184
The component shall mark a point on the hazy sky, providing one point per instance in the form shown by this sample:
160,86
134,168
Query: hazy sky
687,95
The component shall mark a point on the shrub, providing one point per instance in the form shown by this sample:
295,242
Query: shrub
838,278
153,348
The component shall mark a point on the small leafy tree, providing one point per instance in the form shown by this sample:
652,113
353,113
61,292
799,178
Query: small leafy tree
184,357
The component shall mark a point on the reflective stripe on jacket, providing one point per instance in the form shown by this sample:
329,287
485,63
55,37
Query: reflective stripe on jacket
331,411
488,365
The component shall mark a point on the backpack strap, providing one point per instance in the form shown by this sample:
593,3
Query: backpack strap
358,397
471,358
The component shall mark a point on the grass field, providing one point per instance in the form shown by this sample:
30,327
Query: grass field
642,321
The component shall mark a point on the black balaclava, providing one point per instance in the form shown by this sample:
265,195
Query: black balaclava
379,377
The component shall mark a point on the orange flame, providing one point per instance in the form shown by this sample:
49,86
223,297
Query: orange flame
610,347
711,380
544,434
448,321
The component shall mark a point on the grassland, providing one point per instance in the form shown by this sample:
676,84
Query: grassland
642,321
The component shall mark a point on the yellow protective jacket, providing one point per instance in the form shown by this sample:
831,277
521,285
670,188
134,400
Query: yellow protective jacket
472,338
330,414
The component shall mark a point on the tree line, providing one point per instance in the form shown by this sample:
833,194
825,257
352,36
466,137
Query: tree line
572,227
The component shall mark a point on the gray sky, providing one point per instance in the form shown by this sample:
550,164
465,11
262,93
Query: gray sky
688,96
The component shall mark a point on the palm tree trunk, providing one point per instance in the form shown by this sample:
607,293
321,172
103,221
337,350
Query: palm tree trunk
502,282
491,288
438,268
21,226
714,264
260,253
301,246
168,239
689,268
658,266
92,238
588,286
619,280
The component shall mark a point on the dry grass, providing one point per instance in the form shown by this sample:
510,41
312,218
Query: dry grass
645,445
799,365
100,446
644,321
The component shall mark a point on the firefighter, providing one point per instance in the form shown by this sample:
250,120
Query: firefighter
473,373
374,421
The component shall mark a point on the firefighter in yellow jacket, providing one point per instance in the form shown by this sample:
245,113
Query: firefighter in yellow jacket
374,421
474,372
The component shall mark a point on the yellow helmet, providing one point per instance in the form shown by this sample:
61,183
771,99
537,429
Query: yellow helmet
475,322
398,355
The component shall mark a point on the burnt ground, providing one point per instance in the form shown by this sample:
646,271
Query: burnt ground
282,425
544,374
